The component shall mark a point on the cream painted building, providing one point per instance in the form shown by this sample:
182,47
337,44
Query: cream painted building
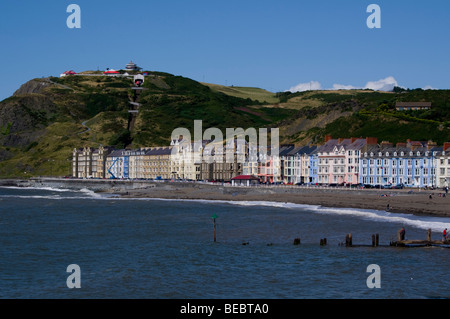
443,167
89,163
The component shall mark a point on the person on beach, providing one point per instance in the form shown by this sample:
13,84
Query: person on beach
444,235
402,233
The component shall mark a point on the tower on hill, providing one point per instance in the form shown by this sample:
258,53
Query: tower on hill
132,67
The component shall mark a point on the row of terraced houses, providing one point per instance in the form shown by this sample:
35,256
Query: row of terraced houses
341,161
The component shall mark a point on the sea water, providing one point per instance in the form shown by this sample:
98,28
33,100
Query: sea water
165,249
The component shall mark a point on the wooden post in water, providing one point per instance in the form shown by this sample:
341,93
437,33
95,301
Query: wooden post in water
377,240
297,241
373,241
348,240
429,235
214,216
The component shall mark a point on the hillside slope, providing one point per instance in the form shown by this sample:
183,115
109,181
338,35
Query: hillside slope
46,118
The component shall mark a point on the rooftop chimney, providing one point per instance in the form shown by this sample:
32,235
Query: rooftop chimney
371,140
328,138
354,139
385,144
432,144
446,146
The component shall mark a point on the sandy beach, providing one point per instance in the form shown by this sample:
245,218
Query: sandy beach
417,202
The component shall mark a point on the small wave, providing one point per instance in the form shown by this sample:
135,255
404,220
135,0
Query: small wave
52,189
78,193
34,196
91,193
422,222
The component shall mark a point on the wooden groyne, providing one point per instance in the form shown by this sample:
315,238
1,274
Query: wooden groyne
349,241
421,243
402,242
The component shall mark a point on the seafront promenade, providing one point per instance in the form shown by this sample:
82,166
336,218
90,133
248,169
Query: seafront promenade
408,201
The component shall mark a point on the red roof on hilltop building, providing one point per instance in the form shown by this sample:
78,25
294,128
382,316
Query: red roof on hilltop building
111,71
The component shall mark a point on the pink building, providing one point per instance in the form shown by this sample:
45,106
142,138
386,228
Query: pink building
339,160
266,170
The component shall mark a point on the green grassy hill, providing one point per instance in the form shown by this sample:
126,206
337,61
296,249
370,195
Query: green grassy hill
46,119
255,94
355,113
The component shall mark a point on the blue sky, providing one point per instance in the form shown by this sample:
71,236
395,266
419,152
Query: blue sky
275,45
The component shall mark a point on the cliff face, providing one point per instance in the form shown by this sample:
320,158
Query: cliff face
23,117
33,86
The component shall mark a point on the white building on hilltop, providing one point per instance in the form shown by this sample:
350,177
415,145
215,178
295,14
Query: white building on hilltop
132,67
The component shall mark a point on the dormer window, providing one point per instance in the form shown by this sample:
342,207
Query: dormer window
387,154
395,153
402,154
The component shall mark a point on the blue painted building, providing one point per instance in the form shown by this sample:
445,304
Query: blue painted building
412,164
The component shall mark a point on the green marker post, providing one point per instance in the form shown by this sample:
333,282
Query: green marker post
214,216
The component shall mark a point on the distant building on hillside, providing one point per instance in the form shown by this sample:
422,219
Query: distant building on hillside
132,67
414,106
